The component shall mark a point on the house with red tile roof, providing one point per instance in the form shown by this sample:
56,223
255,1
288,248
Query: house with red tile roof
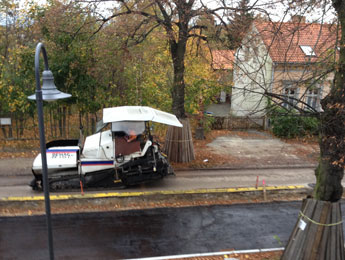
285,63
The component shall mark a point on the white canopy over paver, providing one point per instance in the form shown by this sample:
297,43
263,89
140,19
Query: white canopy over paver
139,113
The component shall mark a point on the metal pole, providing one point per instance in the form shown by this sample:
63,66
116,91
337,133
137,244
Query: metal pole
39,102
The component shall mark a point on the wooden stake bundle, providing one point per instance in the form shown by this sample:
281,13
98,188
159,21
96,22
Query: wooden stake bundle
179,143
318,233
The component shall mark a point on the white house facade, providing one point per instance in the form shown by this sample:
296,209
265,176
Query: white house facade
252,76
286,61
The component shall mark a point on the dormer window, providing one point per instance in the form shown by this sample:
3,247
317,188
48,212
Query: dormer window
307,50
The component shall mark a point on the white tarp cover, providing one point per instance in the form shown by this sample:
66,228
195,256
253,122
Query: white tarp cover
139,113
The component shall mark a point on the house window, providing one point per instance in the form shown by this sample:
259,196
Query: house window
313,97
290,97
290,93
307,50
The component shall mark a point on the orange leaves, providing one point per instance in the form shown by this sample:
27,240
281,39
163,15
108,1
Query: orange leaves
336,106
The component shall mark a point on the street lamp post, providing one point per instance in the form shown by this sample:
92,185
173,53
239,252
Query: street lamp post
48,92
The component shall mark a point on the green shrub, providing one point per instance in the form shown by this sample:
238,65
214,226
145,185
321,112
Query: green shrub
290,124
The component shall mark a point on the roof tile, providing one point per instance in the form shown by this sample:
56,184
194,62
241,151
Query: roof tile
223,59
283,40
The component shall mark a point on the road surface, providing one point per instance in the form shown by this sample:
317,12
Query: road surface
187,180
155,232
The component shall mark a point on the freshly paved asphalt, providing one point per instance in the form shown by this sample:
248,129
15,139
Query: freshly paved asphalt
155,232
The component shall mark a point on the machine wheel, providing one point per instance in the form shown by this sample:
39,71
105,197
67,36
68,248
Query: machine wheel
124,181
33,184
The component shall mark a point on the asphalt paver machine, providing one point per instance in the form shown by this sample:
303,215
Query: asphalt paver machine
121,152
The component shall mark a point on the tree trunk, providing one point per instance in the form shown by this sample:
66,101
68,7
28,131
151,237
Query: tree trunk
179,142
332,143
60,121
178,51
68,120
64,115
93,124
87,124
55,125
327,244
17,127
328,179
80,120
4,132
51,122
10,127
21,124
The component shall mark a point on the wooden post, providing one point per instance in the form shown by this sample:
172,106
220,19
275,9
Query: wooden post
264,189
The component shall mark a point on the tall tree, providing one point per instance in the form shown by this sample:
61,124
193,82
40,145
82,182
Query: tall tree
332,144
237,25
176,17
329,173
179,19
16,62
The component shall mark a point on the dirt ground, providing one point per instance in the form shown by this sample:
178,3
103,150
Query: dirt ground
224,148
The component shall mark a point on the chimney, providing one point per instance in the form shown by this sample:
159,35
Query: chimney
297,19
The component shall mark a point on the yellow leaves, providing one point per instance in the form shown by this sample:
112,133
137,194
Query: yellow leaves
13,5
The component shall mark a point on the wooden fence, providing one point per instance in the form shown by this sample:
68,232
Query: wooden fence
26,128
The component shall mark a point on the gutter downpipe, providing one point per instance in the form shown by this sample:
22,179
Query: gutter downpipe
272,76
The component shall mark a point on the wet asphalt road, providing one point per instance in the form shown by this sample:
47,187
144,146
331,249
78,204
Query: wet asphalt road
155,232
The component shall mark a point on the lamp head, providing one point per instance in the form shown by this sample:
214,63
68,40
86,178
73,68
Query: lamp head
49,90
